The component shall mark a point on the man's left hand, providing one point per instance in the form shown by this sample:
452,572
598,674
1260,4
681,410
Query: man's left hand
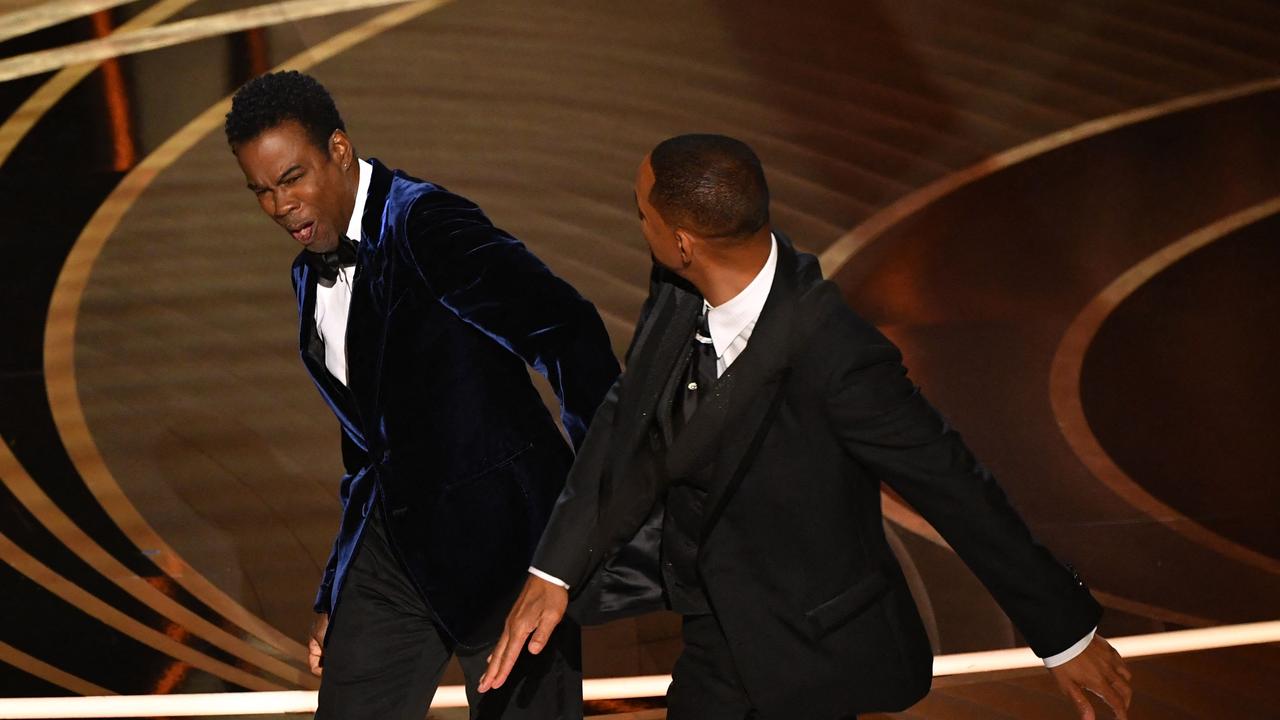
1101,671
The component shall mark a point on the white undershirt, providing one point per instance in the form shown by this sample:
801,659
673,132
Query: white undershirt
334,303
731,326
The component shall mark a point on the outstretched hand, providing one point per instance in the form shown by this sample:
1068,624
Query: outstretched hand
536,614
1101,671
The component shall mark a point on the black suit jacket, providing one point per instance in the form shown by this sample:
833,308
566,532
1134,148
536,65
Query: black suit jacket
793,556
442,430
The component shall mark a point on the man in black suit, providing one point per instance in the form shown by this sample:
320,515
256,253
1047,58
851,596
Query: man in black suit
418,318
733,473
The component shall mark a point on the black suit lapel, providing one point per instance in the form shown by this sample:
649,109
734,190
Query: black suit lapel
658,350
735,402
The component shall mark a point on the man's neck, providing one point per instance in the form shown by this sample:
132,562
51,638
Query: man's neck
733,268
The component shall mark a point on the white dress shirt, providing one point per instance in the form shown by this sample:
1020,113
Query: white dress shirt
333,303
731,326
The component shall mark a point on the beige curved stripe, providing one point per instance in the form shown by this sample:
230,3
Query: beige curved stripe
843,250
21,121
20,560
29,493
24,487
59,350
47,14
179,32
895,511
35,667
1064,386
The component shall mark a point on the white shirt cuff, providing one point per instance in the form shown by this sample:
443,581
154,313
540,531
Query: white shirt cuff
549,578
1070,653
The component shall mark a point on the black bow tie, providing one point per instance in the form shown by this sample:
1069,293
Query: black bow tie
328,264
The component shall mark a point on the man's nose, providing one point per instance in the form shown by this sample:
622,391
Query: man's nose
285,203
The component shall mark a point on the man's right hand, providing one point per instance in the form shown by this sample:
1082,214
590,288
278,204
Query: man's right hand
537,611
315,655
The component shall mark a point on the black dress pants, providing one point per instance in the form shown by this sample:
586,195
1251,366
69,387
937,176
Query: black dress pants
384,654
704,683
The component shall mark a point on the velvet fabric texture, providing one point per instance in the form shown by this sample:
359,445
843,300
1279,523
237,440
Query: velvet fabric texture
797,437
441,428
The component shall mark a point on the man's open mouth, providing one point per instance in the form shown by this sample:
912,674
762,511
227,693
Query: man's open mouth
303,233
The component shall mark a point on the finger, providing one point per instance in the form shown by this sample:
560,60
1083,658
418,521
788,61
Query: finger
504,658
543,633
313,659
1111,698
1083,706
1123,687
491,669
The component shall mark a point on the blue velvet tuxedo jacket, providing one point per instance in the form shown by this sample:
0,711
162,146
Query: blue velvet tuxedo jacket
442,430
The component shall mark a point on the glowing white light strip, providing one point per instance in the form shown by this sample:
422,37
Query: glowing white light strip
269,703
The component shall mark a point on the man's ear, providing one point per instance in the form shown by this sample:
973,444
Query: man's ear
340,150
684,243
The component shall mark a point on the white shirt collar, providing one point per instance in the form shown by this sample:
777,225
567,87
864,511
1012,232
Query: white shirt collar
727,321
362,192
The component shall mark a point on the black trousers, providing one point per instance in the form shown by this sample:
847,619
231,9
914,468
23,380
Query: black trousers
384,654
705,684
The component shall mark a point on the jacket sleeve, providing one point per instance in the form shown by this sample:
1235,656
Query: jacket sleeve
568,550
883,421
491,281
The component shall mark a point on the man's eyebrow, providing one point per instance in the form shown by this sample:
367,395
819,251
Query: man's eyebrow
286,172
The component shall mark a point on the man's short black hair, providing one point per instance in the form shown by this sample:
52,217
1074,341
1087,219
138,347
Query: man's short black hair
269,100
712,184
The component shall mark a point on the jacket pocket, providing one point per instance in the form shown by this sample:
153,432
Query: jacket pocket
848,604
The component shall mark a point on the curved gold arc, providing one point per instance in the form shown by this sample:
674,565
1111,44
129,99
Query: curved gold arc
183,31
843,250
29,493
59,350
1068,407
904,517
16,23
35,667
38,572
34,107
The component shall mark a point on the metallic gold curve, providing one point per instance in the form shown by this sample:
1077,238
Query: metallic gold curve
858,239
1068,407
47,14
845,247
11,655
20,560
29,493
177,33
59,352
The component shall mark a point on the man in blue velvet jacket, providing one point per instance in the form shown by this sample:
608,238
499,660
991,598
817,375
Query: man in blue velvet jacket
418,317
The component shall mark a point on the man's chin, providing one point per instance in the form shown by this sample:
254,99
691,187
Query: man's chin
320,248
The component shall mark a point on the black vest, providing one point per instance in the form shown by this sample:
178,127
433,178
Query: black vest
683,521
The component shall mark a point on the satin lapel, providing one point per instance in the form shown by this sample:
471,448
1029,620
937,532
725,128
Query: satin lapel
369,314
658,349
312,350
723,426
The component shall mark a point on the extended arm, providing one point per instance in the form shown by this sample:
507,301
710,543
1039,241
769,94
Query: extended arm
884,422
490,280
